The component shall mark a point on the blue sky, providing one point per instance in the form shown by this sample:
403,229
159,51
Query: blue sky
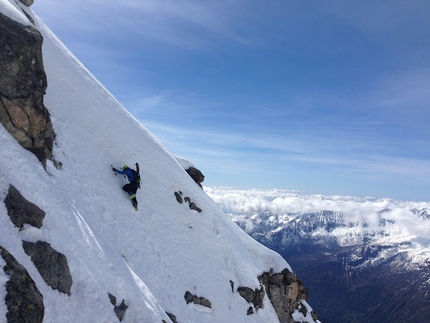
322,97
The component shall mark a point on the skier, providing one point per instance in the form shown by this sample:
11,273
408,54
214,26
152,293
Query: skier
133,177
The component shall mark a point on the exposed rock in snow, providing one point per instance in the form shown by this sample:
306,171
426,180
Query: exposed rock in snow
51,264
22,211
23,299
22,87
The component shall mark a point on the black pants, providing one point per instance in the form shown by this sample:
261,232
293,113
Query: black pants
131,189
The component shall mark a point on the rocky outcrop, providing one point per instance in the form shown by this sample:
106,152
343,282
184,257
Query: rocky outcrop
22,87
187,199
171,317
285,292
178,196
196,175
118,309
191,298
23,300
254,296
51,264
21,210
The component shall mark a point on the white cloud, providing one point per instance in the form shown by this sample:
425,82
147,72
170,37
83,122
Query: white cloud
355,209
285,201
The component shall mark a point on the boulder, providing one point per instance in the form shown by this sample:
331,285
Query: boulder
196,175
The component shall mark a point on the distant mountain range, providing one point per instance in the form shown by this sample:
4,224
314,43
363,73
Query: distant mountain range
359,268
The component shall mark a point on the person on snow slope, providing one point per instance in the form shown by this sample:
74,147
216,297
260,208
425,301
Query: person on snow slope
133,177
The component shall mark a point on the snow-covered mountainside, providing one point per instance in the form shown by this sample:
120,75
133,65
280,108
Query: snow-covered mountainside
367,260
166,262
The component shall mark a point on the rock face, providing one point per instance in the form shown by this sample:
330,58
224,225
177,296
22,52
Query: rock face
22,86
51,264
23,300
22,211
285,292
254,296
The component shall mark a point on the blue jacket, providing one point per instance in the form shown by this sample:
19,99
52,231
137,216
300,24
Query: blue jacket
128,173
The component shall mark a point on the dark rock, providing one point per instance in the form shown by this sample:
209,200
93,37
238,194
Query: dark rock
285,292
254,296
193,206
203,301
51,264
196,175
22,87
118,309
232,286
23,299
112,299
191,298
171,317
28,3
22,211
178,197
247,293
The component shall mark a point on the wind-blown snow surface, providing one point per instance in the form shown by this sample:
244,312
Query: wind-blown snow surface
149,258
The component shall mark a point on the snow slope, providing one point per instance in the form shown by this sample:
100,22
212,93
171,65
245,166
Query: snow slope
149,258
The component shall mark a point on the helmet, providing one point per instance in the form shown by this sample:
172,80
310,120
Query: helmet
125,167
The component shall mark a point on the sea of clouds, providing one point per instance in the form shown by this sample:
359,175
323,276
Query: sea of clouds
252,202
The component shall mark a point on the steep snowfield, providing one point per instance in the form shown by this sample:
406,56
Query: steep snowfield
149,258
